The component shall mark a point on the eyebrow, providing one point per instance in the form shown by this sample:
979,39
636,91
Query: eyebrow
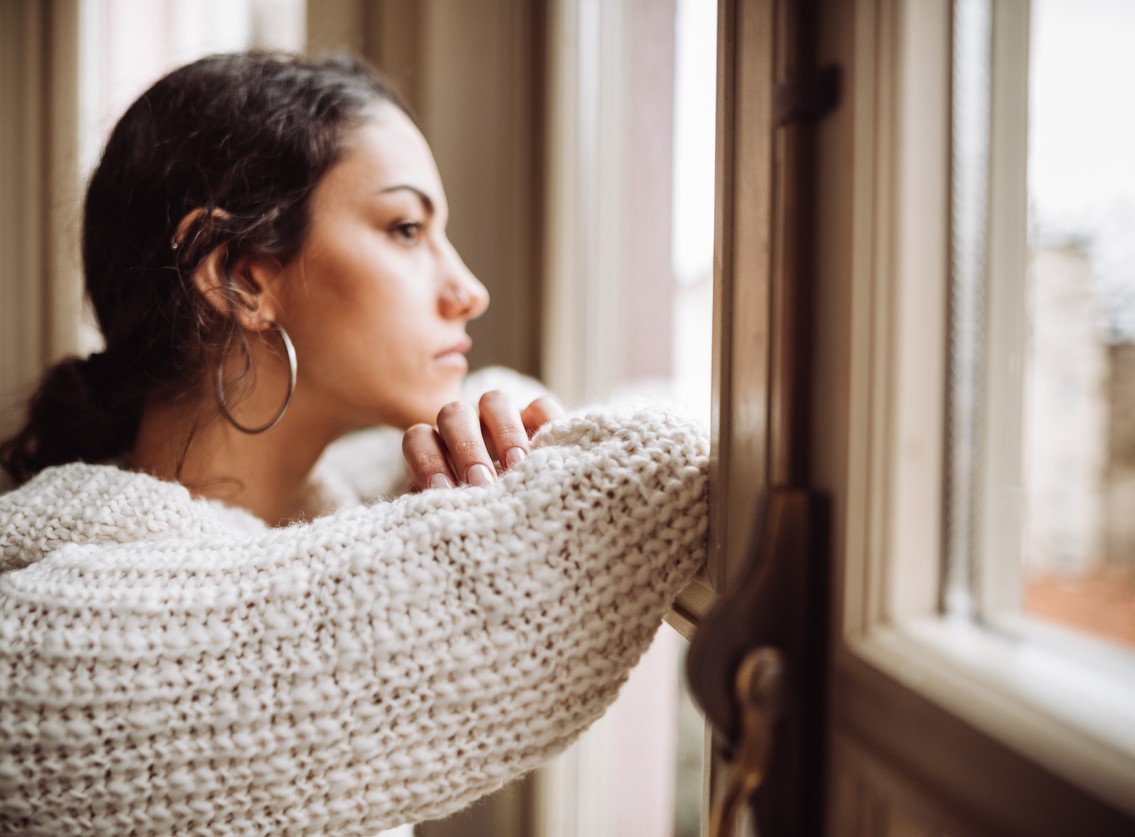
426,200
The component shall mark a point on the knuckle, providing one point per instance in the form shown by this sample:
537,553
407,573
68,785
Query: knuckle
511,438
545,408
416,435
495,399
454,411
546,403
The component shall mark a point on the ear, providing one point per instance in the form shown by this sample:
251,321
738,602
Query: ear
244,292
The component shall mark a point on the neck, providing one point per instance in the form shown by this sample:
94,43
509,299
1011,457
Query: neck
265,474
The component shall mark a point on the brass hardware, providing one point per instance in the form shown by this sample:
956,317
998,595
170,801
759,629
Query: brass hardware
776,612
759,693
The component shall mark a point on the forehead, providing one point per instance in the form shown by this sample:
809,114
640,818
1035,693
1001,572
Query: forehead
385,150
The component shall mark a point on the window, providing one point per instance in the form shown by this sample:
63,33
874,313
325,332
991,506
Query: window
943,687
1039,312
628,315
1078,538
126,45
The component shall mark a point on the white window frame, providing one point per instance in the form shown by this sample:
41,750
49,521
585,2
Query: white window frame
905,676
584,301
582,341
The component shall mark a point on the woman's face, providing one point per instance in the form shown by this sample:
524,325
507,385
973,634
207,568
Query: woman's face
377,299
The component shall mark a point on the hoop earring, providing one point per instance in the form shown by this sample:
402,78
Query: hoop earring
219,386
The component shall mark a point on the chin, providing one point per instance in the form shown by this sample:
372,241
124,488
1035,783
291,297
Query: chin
425,411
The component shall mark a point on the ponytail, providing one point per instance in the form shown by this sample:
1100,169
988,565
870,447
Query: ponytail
84,409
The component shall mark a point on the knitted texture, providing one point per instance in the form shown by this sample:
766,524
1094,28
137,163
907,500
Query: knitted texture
168,665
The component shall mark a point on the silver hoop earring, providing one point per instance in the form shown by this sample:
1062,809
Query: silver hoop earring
219,386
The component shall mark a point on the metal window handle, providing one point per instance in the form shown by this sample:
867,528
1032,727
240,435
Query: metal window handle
757,665
759,691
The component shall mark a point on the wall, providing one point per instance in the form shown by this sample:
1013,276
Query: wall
473,75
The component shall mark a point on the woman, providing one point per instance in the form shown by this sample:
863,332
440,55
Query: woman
206,627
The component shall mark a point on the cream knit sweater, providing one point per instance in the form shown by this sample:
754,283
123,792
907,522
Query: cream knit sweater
170,665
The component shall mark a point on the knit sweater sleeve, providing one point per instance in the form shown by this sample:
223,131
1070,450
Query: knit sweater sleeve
380,665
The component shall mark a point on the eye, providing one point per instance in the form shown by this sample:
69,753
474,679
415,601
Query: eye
408,233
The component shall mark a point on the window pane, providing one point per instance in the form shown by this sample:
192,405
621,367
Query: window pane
632,300
128,44
1041,447
1079,438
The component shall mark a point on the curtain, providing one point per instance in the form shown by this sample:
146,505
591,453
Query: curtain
40,287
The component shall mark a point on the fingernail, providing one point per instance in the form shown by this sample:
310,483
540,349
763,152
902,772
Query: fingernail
513,457
479,474
440,481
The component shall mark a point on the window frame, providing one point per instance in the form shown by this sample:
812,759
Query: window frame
582,308
934,714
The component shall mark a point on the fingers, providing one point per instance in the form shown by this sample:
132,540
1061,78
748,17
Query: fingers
425,458
504,429
460,429
540,412
468,439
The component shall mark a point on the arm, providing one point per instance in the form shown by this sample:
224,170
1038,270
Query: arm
380,665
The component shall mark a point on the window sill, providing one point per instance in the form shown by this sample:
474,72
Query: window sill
1064,711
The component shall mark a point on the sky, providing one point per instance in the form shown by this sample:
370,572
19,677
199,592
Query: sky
1082,142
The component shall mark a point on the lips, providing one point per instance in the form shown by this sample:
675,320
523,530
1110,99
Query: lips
455,354
461,347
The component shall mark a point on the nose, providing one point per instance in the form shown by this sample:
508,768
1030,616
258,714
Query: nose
463,297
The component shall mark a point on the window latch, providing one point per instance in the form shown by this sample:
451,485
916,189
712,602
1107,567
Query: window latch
757,666
759,692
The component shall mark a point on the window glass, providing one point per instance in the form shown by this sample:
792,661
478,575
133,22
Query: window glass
126,45
1040,456
639,268
1079,364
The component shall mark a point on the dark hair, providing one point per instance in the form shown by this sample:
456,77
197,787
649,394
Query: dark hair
243,137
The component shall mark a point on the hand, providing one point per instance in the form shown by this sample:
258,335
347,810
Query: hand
469,442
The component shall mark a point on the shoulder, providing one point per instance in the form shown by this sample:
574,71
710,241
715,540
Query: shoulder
81,503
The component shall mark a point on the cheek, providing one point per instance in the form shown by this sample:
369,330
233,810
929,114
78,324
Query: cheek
347,296
379,338
386,320
364,315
